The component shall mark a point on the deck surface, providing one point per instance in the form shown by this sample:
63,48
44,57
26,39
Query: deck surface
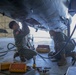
55,70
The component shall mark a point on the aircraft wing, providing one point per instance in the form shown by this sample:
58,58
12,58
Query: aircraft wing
42,14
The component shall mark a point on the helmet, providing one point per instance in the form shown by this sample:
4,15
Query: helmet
11,24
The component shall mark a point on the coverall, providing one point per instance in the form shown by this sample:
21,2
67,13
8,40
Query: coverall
21,43
60,40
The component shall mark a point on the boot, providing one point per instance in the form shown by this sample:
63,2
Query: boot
16,55
22,58
62,61
72,54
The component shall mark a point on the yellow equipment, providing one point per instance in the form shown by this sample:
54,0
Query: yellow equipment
43,49
4,66
34,63
18,67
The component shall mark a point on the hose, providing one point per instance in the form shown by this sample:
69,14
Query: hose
74,42
3,53
11,47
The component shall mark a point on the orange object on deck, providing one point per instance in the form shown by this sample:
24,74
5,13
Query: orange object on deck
43,49
4,66
18,67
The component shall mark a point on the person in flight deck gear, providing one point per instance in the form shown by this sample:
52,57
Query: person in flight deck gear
59,40
20,41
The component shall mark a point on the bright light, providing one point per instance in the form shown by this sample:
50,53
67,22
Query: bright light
40,37
73,25
20,25
39,33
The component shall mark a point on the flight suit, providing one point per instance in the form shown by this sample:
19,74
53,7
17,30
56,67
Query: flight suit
60,40
21,44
